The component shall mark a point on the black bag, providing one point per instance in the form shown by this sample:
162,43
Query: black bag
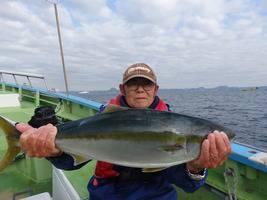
43,115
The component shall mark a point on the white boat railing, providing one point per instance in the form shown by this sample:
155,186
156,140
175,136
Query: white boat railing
27,75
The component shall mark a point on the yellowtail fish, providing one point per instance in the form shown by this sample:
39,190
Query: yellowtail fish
141,138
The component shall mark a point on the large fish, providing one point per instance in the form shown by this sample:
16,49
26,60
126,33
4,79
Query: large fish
141,138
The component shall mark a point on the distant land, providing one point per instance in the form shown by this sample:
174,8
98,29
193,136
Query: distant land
199,89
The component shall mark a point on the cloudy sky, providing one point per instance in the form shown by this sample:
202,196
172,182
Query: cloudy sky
189,43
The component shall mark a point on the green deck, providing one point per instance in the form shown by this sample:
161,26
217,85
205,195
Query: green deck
16,178
35,174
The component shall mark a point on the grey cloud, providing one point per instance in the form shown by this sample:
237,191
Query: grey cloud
188,43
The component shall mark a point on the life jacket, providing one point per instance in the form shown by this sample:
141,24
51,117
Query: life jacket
104,169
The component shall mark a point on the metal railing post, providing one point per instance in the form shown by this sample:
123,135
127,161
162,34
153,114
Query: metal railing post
61,49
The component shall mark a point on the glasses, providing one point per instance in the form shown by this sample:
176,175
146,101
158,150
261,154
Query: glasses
133,84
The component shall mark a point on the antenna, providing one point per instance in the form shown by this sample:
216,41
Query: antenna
55,2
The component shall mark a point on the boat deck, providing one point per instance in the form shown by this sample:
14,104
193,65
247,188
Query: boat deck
23,184
28,176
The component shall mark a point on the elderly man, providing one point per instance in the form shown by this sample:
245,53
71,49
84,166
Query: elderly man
138,90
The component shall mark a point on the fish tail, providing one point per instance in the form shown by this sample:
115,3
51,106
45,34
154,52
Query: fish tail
12,136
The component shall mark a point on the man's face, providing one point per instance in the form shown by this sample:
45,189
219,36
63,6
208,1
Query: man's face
139,92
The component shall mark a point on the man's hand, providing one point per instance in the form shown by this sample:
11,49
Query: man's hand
214,152
38,142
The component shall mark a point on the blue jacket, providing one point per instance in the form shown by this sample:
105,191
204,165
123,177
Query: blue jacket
133,184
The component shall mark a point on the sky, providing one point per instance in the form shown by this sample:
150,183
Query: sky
188,43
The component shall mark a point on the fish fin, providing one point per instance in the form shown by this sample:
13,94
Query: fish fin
12,140
113,108
172,148
230,134
151,170
79,159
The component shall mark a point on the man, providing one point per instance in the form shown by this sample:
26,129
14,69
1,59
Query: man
138,90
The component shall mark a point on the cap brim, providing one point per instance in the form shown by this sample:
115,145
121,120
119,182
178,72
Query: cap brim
141,76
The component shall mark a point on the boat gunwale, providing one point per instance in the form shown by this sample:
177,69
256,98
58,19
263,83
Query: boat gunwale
75,99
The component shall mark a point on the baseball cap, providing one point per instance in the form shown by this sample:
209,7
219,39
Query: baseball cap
139,70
